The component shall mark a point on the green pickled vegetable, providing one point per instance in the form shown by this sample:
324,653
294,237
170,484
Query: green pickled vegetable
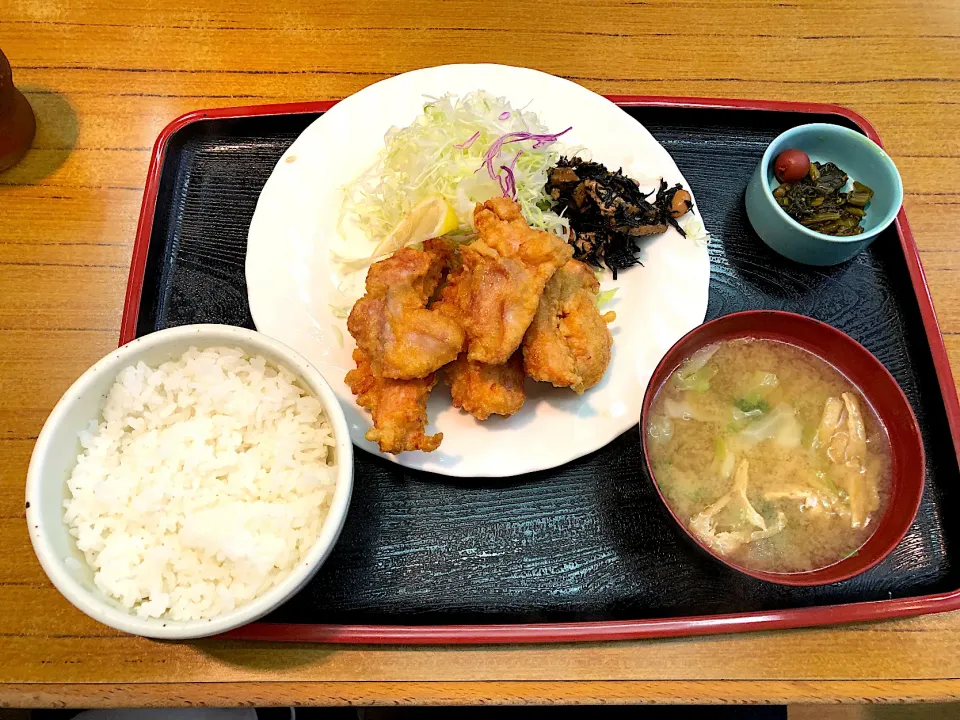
820,217
818,202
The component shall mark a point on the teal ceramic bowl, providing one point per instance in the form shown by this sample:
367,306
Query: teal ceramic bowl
858,156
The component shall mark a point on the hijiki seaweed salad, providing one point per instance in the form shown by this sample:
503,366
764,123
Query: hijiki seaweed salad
462,151
608,211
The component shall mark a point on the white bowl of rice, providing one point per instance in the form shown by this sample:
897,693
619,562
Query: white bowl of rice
190,482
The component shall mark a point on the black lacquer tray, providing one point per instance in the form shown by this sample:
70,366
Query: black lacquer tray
584,552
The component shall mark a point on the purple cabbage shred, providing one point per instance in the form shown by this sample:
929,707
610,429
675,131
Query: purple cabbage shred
468,142
508,185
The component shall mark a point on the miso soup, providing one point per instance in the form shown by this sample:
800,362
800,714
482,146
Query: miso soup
769,455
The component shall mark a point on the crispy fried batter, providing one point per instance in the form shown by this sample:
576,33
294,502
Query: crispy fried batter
484,390
568,343
445,251
399,408
391,324
496,293
413,320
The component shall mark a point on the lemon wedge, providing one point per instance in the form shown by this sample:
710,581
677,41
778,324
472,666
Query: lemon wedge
427,219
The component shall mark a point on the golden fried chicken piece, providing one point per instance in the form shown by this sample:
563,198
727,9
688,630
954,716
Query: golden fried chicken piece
399,408
484,390
402,338
497,291
445,251
568,343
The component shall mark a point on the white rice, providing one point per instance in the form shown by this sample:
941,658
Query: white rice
206,481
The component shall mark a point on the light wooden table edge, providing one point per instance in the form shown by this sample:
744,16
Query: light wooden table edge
313,693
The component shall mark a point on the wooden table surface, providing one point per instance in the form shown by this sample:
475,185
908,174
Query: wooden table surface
104,76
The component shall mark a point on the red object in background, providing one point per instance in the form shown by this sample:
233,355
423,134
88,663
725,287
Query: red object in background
17,122
876,384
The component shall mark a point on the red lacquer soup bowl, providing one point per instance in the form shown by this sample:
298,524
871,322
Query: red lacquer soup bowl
877,386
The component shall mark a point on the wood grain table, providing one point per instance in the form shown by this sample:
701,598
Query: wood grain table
104,76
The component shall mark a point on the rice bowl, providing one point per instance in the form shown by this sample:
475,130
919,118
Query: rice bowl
202,521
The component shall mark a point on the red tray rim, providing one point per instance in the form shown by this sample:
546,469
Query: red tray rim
579,631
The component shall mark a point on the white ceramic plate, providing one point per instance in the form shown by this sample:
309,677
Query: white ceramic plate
290,282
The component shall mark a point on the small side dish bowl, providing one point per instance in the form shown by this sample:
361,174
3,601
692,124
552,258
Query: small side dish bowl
55,456
861,158
875,383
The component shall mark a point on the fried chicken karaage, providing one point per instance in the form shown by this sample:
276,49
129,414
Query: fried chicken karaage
484,390
568,343
402,339
398,407
504,271
468,311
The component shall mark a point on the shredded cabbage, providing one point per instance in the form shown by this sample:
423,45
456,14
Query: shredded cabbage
694,230
605,296
441,152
